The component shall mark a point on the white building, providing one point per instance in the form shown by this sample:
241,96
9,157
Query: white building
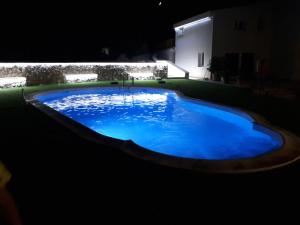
193,44
242,34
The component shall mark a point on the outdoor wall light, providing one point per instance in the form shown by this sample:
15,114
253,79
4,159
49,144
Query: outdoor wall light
203,20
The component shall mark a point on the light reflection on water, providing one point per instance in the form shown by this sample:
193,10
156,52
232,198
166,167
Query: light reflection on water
161,121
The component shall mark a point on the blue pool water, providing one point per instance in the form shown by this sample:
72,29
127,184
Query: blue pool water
164,122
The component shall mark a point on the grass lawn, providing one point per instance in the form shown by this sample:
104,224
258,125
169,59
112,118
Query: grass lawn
59,176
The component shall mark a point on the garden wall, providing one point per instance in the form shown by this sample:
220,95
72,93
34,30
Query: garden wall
54,73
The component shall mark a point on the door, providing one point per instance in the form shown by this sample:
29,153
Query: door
247,66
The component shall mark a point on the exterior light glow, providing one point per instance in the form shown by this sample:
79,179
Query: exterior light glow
81,77
203,20
12,82
23,65
173,70
149,67
141,76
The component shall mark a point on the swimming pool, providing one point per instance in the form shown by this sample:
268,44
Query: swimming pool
165,122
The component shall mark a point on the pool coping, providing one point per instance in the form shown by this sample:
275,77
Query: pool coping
287,154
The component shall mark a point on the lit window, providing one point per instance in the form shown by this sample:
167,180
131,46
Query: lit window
201,59
180,32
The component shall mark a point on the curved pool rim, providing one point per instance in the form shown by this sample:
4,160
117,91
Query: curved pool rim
287,154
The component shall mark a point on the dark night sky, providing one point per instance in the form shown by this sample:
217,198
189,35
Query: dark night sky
78,30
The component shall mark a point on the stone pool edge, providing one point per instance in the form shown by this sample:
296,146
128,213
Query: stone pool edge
287,154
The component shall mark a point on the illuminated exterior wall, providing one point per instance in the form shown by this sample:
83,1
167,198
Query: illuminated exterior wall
220,36
267,31
194,40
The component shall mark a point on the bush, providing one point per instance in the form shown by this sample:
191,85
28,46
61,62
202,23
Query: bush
14,71
111,73
161,73
217,68
43,75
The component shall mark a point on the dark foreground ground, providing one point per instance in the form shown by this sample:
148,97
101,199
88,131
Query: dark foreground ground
59,178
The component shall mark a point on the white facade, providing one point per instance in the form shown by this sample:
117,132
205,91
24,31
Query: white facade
194,40
247,33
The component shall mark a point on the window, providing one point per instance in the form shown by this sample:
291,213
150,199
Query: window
261,24
240,25
201,59
180,32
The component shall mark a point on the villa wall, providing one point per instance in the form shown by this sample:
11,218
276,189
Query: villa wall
192,41
229,37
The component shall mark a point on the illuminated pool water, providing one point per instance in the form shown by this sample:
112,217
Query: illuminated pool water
164,122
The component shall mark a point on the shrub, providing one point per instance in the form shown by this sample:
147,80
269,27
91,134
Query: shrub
161,72
43,75
111,73
216,67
